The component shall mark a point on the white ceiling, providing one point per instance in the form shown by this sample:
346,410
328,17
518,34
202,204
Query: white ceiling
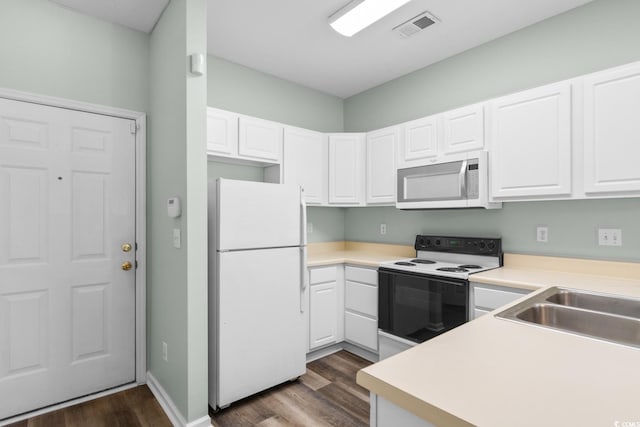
291,39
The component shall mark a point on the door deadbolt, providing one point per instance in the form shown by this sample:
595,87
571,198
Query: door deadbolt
126,247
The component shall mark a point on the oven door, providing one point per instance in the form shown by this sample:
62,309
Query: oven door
418,307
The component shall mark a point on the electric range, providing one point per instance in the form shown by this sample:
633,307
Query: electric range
427,295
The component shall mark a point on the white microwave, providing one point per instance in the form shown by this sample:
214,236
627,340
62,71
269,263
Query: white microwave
456,181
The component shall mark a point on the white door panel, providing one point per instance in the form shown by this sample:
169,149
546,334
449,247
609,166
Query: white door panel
259,317
66,307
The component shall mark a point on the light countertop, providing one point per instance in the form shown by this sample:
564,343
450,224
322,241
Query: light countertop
493,372
359,253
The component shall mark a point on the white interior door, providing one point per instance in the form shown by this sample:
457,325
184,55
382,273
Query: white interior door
67,308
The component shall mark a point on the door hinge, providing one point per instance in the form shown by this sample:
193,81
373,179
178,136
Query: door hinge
134,127
136,264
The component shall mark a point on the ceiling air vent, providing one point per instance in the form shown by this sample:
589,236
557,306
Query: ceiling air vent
416,24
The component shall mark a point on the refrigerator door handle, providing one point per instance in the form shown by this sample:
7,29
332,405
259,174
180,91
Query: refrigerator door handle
303,250
303,219
303,276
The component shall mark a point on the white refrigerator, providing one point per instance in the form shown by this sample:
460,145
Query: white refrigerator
257,278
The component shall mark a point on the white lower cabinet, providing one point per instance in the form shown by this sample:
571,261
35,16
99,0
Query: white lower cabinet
325,306
343,306
386,414
361,307
486,298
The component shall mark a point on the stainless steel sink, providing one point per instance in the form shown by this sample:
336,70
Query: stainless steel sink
603,303
605,317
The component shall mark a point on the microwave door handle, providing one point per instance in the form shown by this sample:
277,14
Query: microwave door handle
463,179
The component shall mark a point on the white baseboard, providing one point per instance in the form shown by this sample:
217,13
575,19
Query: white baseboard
342,345
169,408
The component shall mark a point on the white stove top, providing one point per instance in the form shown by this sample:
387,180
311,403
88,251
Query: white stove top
474,263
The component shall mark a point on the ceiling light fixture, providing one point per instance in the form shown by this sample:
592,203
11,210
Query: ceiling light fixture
359,14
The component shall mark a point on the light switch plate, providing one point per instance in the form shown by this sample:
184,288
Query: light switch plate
542,233
176,238
609,237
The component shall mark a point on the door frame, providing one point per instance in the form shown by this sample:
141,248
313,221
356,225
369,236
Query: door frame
140,205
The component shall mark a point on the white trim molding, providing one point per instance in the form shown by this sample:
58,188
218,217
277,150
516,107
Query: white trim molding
170,408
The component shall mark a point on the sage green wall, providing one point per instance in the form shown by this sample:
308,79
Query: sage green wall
243,90
50,50
599,35
177,285
572,226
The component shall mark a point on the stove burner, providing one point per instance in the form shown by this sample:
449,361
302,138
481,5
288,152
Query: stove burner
404,263
453,269
424,261
472,266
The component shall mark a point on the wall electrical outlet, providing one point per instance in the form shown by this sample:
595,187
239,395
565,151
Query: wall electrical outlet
165,352
383,228
309,227
542,234
609,237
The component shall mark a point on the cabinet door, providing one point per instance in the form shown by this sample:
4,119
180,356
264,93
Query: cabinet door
346,169
420,140
612,130
323,313
306,163
531,143
463,129
222,132
381,165
260,139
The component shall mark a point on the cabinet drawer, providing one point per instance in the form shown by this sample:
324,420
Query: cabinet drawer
361,330
323,275
494,298
362,298
362,275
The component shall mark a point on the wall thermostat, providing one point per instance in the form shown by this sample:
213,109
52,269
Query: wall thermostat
173,207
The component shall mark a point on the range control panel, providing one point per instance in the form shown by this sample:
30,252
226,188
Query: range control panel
460,245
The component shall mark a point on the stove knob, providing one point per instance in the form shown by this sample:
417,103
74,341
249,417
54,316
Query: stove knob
482,244
491,245
421,241
437,242
428,242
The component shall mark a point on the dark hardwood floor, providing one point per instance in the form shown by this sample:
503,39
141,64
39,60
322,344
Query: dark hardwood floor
327,395
136,407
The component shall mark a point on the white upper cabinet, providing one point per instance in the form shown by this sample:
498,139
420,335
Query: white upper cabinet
463,129
420,140
612,131
530,143
381,165
222,132
346,169
260,139
306,163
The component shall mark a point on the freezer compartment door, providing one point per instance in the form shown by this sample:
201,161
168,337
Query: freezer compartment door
260,324
258,215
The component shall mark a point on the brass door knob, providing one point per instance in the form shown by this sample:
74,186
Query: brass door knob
126,247
126,266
